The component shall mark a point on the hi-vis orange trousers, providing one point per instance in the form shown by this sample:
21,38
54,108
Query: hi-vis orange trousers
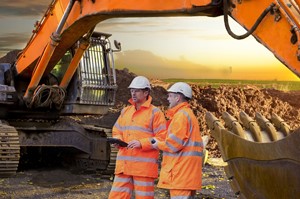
182,194
124,185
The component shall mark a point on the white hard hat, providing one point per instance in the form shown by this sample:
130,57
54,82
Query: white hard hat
183,88
140,82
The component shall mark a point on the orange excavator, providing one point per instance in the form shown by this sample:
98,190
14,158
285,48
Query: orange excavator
67,69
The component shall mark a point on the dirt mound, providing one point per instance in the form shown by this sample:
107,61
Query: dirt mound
124,78
291,97
249,99
236,99
10,57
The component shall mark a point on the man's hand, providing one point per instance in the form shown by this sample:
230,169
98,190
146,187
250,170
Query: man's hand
134,144
117,146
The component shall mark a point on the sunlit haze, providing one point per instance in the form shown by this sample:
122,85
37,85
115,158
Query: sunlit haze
181,47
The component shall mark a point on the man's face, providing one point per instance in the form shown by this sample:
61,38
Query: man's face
138,95
173,99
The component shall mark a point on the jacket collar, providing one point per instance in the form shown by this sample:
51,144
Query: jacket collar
171,112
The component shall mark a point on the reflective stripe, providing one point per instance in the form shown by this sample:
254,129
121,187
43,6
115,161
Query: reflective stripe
117,126
121,189
122,112
187,153
189,119
180,142
132,128
182,197
154,110
136,159
176,139
160,128
142,129
191,143
144,193
118,179
143,183
173,149
136,128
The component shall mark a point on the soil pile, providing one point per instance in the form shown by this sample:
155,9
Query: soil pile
10,57
232,99
236,99
124,78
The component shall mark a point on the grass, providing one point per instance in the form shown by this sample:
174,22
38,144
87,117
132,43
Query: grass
278,85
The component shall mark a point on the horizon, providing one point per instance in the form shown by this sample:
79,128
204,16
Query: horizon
260,80
188,78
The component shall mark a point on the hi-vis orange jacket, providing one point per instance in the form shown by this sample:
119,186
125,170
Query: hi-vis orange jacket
142,125
182,151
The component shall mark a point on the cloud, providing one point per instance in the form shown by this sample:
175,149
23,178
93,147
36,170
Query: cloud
9,42
23,8
199,28
12,39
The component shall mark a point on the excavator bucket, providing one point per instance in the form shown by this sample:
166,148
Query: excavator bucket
263,160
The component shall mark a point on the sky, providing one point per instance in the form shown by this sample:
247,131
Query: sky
163,47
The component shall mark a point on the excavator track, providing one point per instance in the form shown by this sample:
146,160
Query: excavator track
112,150
263,156
113,157
9,150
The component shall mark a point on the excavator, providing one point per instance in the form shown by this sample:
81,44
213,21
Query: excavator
67,69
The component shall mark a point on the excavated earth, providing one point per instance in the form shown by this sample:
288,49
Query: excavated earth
58,182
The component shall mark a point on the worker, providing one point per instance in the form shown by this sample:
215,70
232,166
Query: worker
181,168
137,164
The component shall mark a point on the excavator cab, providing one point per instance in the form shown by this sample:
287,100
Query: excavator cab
93,87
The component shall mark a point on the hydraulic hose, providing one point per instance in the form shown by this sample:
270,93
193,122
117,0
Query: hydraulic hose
225,7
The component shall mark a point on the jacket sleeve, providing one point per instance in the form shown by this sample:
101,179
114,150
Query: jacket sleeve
117,131
159,130
178,134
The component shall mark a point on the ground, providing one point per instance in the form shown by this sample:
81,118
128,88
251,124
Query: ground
57,183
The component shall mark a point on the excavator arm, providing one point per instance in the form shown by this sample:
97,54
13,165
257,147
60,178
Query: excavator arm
275,24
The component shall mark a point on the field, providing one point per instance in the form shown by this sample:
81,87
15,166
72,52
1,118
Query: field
215,83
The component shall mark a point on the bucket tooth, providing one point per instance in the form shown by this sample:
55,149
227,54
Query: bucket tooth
251,125
233,125
280,124
266,126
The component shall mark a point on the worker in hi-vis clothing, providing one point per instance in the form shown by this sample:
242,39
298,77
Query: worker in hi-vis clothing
137,164
181,169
